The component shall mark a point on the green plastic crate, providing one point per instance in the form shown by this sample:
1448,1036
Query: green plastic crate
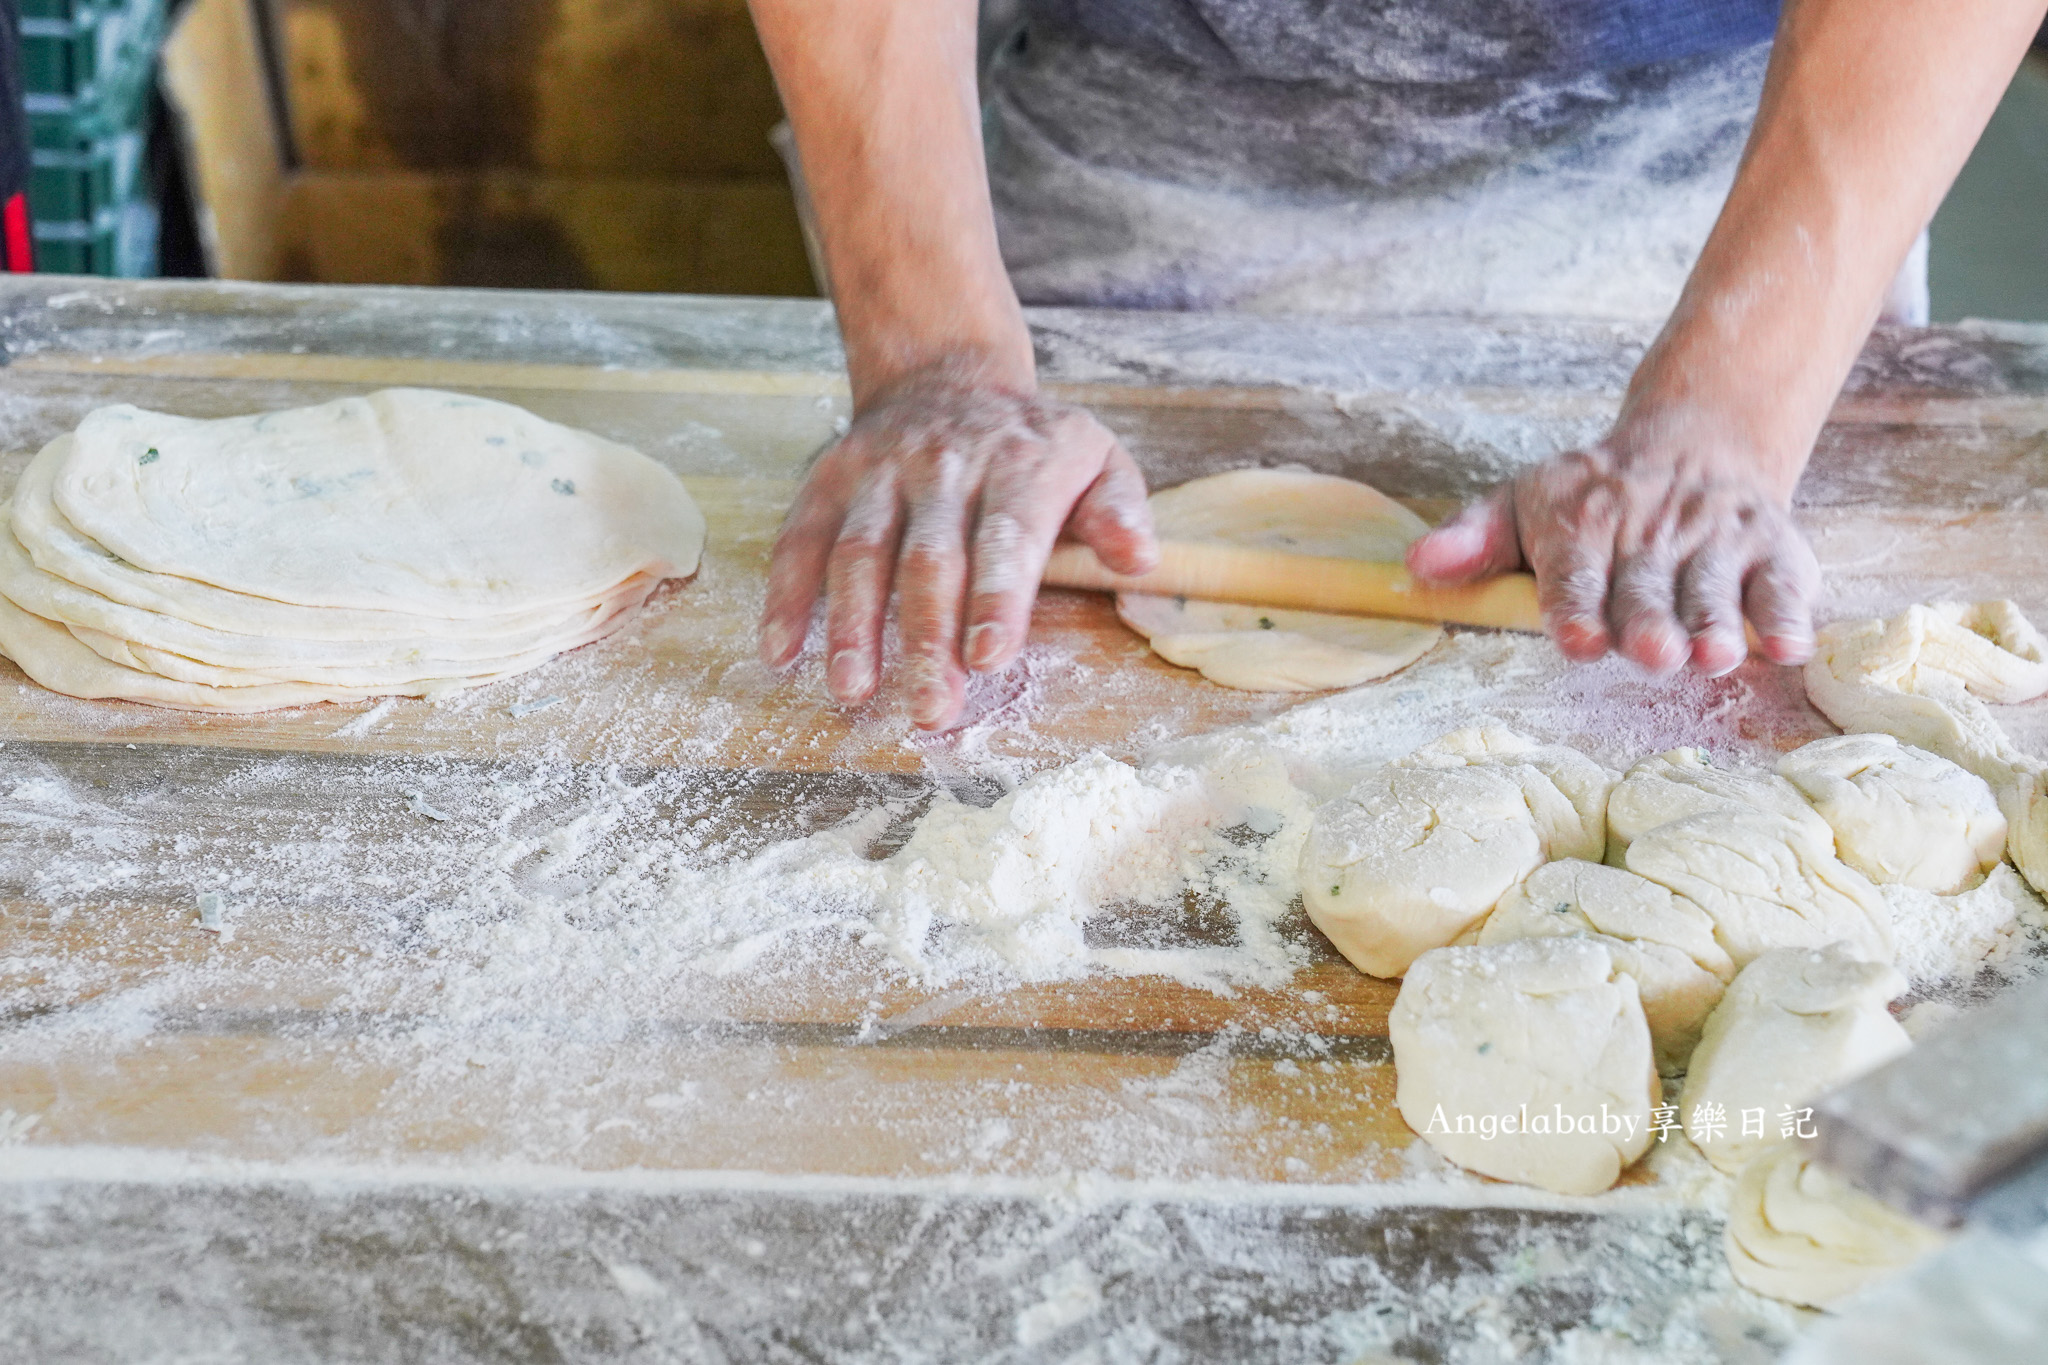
120,241
72,183
87,67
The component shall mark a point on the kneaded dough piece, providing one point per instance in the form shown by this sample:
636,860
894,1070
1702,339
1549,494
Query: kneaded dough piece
409,500
1539,1035
1567,792
1767,883
1410,858
1924,677
1421,849
1795,1024
58,550
50,656
1662,940
1797,1231
1266,649
1682,782
1901,816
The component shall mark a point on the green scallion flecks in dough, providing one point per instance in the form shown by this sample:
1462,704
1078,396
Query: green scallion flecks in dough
564,487
1266,623
150,456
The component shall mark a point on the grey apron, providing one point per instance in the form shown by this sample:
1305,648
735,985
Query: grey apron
1310,156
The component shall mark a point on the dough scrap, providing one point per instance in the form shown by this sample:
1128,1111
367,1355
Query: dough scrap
1546,1030
1681,782
1797,1231
348,504
1266,649
1421,849
1664,941
1767,883
1924,677
1901,816
1795,1024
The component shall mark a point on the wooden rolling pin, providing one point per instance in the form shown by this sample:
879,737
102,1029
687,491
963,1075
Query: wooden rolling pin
1275,578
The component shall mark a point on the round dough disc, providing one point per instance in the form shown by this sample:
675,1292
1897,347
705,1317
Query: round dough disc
1266,649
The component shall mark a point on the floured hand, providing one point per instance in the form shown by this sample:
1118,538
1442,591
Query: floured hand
950,490
1654,548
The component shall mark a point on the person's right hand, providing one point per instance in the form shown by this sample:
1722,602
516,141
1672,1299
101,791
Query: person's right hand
950,489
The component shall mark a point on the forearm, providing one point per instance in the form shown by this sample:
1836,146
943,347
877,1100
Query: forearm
881,96
1869,110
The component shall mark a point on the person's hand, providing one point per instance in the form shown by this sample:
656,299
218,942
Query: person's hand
949,489
1652,545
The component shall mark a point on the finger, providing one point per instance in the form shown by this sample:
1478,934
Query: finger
1778,598
1643,608
1479,542
931,577
1027,497
1573,562
857,580
1710,606
795,573
1113,519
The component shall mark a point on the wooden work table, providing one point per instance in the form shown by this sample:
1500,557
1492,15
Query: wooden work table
284,1138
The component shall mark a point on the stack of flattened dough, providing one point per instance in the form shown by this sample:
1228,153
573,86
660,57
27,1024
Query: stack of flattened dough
1567,936
406,543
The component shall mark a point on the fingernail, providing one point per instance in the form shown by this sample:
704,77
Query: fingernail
1788,649
928,703
984,645
850,675
779,640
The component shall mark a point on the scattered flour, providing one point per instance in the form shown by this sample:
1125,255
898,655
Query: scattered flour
1941,938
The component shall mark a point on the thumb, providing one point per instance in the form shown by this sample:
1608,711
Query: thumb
1113,519
1479,542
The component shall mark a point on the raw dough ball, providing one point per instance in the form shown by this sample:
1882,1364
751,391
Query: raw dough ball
1421,849
1499,1050
1795,1024
1411,858
1266,649
1682,782
1924,677
1663,941
1767,883
1799,1232
1901,815
1567,792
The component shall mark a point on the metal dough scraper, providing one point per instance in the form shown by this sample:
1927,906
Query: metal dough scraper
1955,1133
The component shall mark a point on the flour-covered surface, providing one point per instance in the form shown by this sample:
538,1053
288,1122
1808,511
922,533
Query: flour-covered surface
649,1008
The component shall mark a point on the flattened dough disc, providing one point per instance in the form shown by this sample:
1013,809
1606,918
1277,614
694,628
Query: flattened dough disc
1265,649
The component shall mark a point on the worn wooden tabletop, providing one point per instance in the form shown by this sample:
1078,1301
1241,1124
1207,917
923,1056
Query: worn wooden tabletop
308,1042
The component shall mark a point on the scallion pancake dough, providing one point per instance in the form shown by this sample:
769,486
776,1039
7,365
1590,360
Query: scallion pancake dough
1269,649
93,618
48,653
407,543
409,500
56,548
